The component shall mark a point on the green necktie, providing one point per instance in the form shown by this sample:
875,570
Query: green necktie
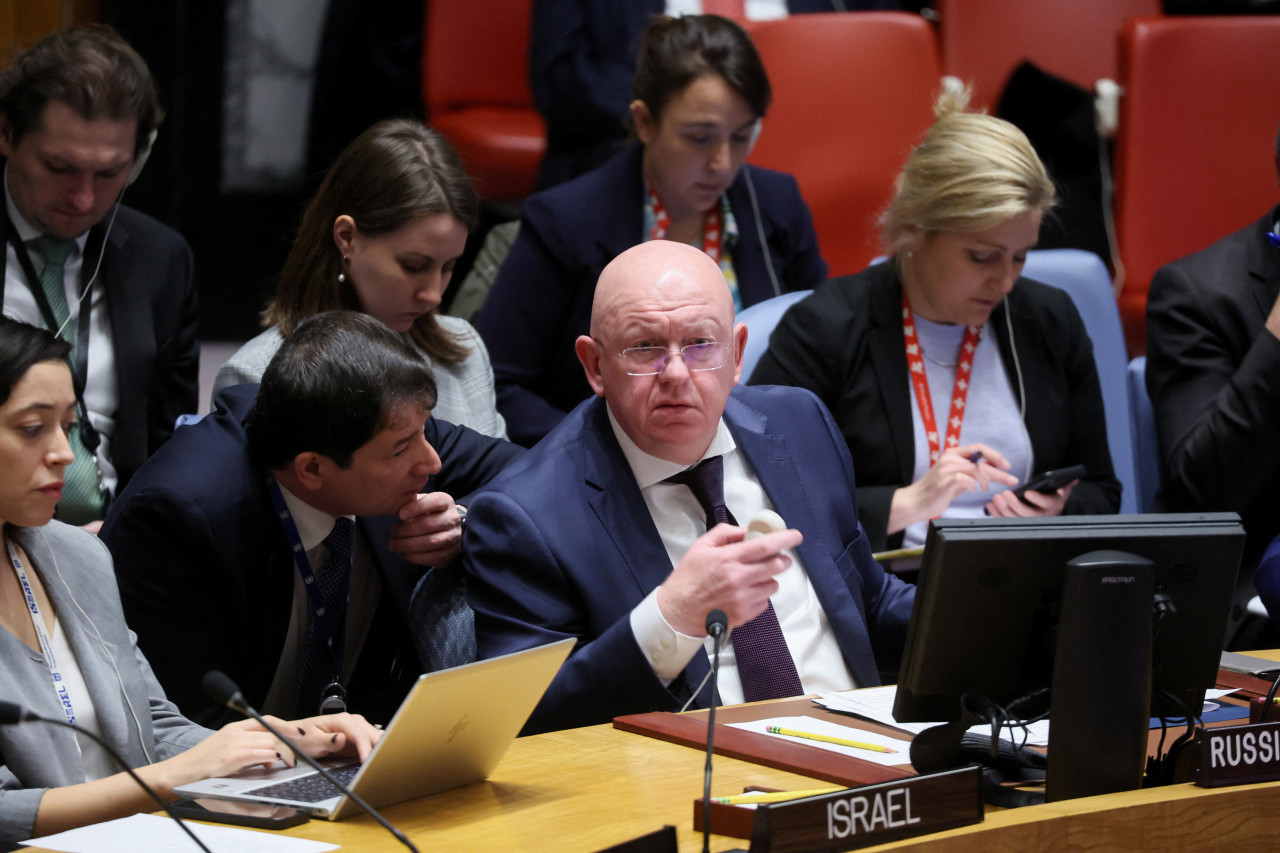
82,497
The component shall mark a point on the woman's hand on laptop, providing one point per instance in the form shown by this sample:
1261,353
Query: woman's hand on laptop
231,748
332,734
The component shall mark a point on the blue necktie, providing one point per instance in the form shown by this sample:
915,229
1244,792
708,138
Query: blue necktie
322,664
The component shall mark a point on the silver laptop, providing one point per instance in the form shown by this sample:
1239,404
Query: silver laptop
451,730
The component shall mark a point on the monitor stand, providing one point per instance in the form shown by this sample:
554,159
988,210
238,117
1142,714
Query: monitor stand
1100,703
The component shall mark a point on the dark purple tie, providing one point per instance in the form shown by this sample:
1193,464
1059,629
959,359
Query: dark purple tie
764,663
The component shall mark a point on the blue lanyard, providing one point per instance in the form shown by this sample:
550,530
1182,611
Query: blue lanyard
46,645
319,615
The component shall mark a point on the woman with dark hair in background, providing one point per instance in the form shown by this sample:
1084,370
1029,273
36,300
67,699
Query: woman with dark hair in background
953,378
700,92
382,236
66,651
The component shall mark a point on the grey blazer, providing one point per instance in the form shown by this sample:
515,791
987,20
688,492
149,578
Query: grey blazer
133,714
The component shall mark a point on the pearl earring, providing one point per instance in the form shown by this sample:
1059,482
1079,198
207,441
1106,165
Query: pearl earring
342,273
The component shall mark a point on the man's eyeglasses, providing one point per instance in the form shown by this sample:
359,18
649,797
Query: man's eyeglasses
650,361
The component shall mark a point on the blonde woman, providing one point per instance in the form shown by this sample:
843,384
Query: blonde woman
954,379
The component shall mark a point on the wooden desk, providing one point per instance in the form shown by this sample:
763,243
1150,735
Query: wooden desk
577,790
585,789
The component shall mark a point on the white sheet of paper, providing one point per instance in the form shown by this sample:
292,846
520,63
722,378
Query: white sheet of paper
826,727
876,703
147,833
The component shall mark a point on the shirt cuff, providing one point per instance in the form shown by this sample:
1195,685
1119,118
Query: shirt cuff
667,650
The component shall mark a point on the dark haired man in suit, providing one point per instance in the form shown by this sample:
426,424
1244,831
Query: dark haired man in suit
78,113
283,538
1213,373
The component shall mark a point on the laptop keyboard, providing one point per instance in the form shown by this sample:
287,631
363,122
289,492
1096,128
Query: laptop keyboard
308,789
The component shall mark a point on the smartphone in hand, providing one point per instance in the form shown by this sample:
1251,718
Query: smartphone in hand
1050,481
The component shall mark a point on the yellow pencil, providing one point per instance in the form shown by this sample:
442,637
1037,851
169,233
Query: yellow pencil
771,796
857,744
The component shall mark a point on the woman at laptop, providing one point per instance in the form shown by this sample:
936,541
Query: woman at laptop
953,378
66,652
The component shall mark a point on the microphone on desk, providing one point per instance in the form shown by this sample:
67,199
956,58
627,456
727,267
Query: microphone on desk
11,714
717,625
221,689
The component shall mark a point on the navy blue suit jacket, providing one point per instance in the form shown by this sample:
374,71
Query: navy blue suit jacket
541,300
206,574
563,545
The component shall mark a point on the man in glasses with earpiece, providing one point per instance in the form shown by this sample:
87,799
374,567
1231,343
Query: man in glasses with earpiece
626,525
78,114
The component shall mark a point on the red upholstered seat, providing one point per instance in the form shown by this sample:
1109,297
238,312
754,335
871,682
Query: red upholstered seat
983,41
475,80
852,93
1194,157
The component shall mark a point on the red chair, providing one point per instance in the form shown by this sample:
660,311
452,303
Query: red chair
852,93
1194,156
475,78
983,41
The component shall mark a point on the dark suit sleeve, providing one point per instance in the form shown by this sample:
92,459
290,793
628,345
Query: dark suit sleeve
174,389
468,459
1215,412
522,598
176,597
524,320
886,600
814,346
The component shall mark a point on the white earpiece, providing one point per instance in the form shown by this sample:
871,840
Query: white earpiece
755,134
141,159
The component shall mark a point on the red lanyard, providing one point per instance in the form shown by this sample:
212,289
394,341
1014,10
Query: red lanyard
920,382
711,224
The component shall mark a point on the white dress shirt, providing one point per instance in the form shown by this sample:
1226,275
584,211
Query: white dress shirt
680,520
313,526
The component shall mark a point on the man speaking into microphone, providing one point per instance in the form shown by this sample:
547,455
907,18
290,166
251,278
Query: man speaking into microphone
626,524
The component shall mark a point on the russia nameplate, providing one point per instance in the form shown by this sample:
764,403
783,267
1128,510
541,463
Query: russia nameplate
1236,755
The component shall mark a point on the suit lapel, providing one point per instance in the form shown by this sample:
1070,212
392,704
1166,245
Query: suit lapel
619,506
889,361
626,227
754,284
774,464
133,335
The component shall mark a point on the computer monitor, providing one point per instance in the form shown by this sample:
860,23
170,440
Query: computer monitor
989,620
